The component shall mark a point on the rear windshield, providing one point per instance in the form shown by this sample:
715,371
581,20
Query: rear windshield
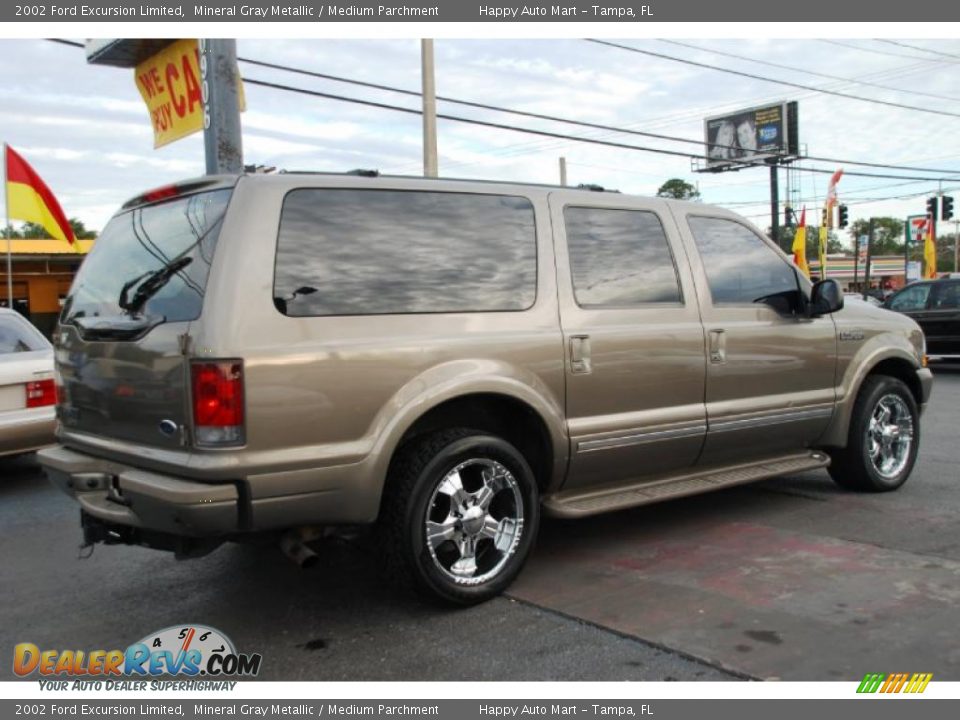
17,335
151,261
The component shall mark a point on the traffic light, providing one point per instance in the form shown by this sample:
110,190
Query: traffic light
946,207
842,219
932,207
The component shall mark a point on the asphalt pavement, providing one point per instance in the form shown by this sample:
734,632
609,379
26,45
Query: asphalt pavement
791,578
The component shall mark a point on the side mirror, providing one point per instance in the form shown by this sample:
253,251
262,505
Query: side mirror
827,298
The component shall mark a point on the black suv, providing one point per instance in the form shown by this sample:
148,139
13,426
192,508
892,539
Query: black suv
935,305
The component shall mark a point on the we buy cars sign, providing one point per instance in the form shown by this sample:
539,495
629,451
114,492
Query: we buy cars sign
171,85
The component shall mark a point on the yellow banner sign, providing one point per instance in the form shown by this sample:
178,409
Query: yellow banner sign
170,84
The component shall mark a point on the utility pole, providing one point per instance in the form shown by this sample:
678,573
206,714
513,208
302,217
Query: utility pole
563,171
429,109
222,143
774,204
866,271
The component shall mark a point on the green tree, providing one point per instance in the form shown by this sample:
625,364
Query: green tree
887,234
678,189
81,231
34,231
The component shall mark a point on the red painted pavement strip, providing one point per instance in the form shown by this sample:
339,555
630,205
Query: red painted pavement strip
753,598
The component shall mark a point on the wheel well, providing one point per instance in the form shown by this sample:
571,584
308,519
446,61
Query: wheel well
500,415
902,370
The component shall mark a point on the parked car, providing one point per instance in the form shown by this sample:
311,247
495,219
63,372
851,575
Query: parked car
935,306
27,394
439,360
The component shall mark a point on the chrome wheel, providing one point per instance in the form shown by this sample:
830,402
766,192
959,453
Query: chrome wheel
474,521
890,434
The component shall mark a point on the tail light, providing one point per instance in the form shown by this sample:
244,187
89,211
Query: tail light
41,393
218,402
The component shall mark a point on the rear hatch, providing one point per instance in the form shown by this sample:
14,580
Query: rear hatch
119,353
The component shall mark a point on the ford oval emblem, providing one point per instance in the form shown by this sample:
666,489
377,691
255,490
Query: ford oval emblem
168,427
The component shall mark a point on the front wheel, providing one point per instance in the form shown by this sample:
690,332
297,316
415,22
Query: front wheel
883,440
459,516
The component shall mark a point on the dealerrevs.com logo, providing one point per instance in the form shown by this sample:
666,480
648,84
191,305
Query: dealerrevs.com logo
181,650
895,682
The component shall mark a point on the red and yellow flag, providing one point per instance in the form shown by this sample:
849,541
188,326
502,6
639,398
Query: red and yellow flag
930,252
29,199
800,244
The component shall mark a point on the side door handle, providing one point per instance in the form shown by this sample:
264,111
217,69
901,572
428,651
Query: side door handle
580,354
718,346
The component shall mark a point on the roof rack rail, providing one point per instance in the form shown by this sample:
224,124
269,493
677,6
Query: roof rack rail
363,172
592,187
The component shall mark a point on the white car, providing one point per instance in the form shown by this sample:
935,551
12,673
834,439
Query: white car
27,392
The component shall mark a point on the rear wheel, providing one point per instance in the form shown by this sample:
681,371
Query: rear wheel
884,437
459,516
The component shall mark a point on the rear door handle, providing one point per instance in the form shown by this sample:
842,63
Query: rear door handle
718,346
580,354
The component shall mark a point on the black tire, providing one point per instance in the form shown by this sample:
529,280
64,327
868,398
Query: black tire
413,496
852,467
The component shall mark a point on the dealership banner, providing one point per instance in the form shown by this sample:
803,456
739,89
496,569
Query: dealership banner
486,11
170,83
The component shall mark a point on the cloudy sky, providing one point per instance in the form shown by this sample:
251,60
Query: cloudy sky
86,131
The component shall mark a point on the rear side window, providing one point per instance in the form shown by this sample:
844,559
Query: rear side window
18,335
740,267
377,252
619,258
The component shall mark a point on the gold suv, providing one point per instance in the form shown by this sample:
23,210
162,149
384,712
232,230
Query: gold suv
442,360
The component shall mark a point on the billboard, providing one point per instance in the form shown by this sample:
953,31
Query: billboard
752,135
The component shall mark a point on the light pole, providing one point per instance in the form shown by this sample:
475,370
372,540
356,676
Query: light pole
429,109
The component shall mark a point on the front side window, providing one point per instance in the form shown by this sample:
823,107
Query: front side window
376,252
946,296
619,258
741,267
911,298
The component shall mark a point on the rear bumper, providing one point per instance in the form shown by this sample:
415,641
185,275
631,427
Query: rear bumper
121,495
26,430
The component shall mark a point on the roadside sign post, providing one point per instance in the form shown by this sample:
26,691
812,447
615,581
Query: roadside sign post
913,231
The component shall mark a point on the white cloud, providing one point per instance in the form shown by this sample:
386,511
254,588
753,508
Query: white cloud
86,131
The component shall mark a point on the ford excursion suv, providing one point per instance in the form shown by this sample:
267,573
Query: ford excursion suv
282,355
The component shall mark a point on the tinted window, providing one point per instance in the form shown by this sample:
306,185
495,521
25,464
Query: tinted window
911,298
136,245
368,252
619,257
946,296
18,335
740,267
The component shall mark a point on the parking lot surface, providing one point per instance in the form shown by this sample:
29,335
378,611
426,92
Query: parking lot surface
791,578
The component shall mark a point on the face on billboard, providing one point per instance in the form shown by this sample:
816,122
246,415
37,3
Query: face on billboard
750,134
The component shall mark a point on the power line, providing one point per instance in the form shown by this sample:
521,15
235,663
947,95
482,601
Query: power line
554,118
546,133
851,46
917,47
763,78
808,72
549,118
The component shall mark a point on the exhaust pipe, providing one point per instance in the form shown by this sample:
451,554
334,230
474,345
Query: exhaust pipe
293,544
